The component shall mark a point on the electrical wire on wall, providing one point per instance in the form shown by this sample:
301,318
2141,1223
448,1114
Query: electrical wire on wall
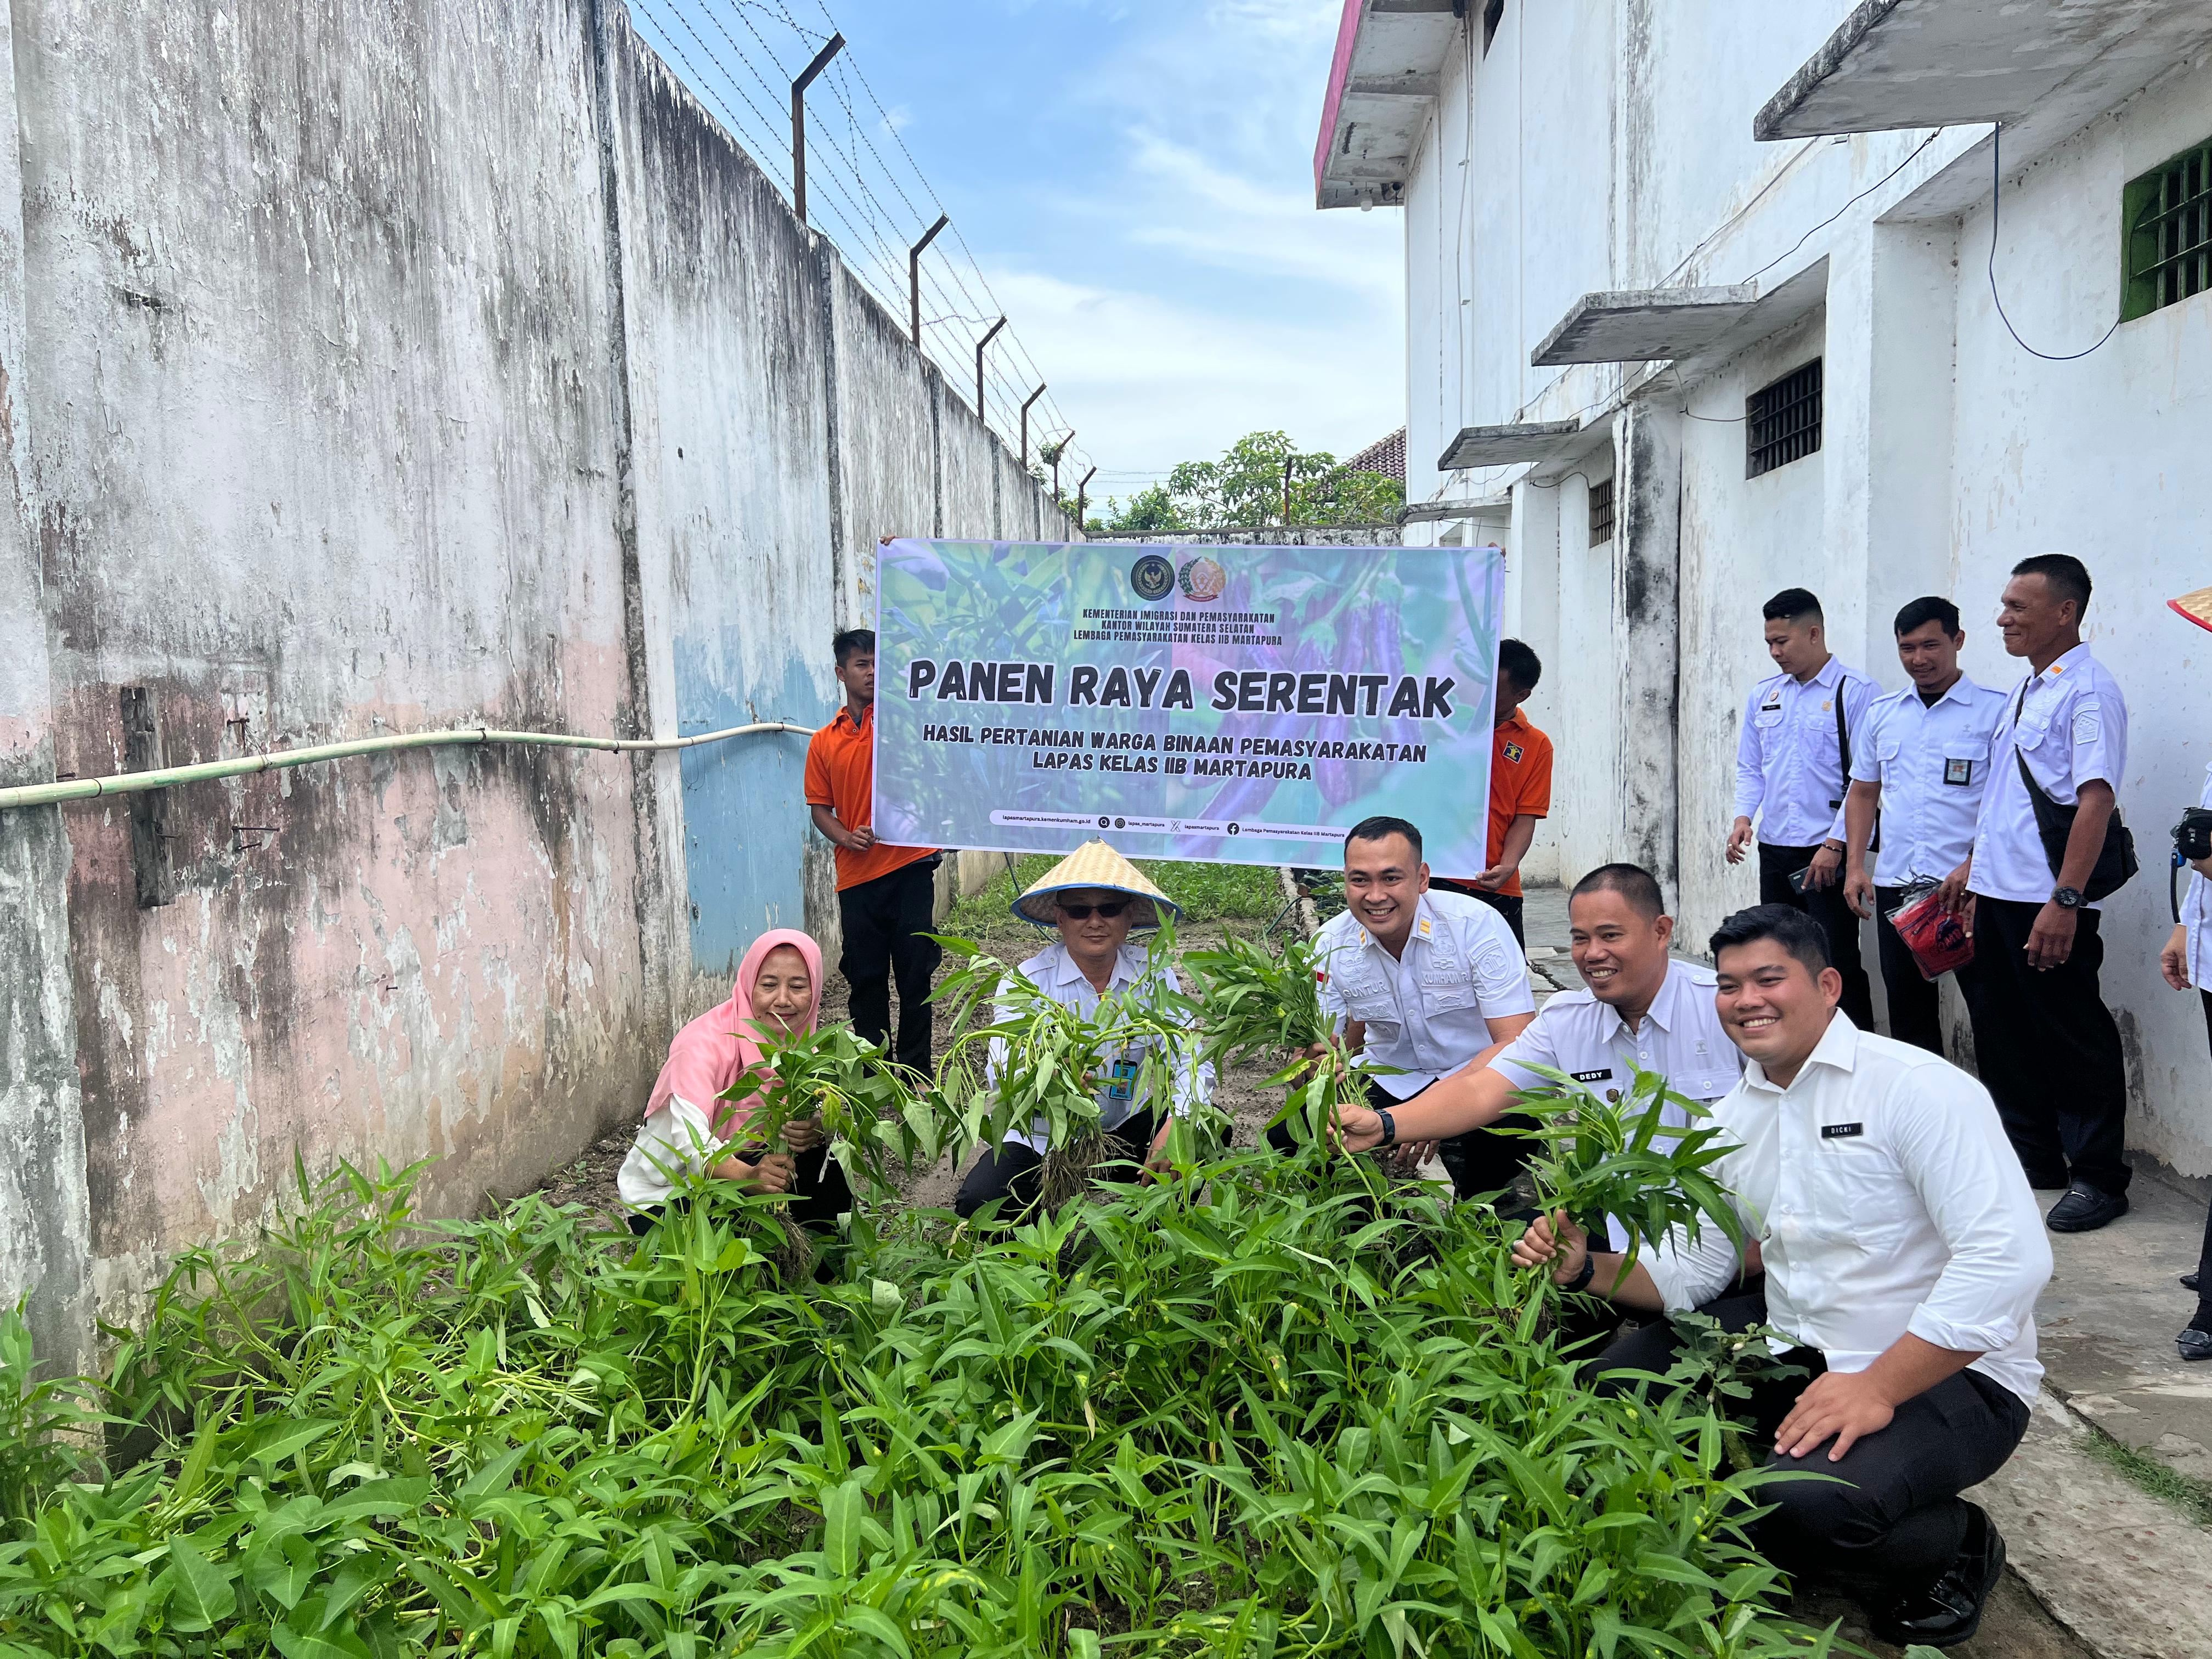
1996,190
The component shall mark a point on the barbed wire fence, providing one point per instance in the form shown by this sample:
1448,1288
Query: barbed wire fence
865,190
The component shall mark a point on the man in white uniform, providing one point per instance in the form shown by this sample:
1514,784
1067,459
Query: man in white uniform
1918,771
2043,1039
2186,964
1902,1256
1421,981
1793,761
1642,1011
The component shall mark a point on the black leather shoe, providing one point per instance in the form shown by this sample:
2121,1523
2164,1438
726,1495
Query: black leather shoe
1951,1613
2188,1281
2084,1209
2195,1344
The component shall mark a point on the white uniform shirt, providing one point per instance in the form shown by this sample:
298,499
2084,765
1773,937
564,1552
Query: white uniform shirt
1054,972
1789,775
1932,761
2072,730
1681,1037
675,1141
2197,913
1427,1012
1886,1200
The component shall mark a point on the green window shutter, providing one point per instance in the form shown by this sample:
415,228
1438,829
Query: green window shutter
2166,216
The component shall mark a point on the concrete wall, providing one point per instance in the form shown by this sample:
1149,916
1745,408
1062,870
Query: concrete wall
385,368
1948,450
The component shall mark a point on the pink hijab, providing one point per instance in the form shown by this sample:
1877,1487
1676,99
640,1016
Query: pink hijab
720,1047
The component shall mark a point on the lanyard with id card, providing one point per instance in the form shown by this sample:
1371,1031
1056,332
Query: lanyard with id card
1124,1086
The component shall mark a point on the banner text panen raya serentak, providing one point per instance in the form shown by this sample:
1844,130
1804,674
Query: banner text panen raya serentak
1245,704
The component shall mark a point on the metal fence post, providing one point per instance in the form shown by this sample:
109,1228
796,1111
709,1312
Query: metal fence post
914,270
1026,402
799,121
981,346
1083,501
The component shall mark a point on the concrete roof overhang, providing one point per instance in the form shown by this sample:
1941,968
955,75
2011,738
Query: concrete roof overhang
1643,325
1390,54
1486,506
1898,64
1502,445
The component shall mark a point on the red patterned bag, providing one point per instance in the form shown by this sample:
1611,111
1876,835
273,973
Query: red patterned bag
1936,937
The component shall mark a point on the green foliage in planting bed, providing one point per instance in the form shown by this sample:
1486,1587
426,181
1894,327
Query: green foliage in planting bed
1269,1407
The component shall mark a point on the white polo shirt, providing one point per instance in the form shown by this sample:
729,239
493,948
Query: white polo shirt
1789,774
2197,913
1886,1200
2072,729
1055,973
1681,1037
1426,1012
1932,761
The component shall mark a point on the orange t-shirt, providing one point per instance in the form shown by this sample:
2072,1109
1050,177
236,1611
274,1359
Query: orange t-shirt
841,775
1520,781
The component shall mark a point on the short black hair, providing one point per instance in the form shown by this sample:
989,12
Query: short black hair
1792,605
1931,609
1631,881
853,641
1787,926
1381,828
2069,578
1518,663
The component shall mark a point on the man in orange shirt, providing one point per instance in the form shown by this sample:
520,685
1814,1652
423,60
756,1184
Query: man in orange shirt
886,894
1520,788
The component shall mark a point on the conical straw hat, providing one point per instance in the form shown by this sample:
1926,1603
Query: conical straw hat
2197,606
1095,863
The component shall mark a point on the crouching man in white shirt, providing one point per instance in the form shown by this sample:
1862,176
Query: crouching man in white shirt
1903,1256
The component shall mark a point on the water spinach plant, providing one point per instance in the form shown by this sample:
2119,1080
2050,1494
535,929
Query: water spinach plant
1226,1414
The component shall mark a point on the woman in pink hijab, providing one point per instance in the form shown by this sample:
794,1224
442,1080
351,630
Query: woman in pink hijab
777,994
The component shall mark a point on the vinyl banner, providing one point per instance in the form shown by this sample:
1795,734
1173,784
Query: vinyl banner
1239,704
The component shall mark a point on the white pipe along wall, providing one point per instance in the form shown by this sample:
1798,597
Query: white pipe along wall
424,366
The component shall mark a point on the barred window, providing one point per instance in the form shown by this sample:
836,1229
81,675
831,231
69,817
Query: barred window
2168,214
1600,512
1782,421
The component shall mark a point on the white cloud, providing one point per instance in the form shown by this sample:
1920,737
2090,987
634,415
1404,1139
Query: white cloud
1149,381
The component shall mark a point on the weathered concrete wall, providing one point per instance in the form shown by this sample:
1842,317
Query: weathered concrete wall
384,367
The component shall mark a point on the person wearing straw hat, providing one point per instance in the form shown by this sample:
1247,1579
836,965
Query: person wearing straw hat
2186,964
1093,898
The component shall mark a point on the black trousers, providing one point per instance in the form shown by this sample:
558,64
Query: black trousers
818,1196
2048,1049
2204,1320
1014,1171
886,922
1892,1522
1484,1160
1916,1013
1826,906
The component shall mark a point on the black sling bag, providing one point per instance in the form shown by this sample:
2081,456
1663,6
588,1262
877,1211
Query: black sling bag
2116,863
1843,751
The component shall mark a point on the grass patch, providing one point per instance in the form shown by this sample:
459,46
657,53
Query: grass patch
1207,892
2191,1496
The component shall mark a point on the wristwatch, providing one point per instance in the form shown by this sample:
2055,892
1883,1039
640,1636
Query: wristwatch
2068,898
1389,1125
1581,1281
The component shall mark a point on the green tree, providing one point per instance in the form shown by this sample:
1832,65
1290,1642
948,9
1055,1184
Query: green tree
1262,479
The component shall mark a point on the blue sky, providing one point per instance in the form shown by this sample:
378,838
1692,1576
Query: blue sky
1135,179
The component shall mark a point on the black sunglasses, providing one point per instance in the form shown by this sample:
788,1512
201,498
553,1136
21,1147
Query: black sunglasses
1110,909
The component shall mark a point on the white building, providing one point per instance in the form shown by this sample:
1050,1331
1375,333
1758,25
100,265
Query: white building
1701,306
